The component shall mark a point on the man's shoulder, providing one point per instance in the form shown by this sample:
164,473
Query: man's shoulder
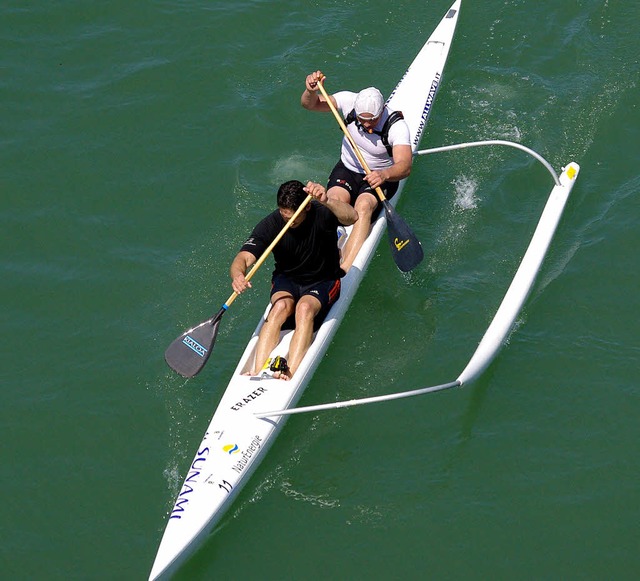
321,212
345,100
399,133
273,216
269,222
318,209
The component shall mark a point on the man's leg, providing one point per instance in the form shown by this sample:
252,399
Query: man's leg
282,305
306,310
342,195
365,204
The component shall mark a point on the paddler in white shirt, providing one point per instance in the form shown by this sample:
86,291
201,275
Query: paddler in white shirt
385,142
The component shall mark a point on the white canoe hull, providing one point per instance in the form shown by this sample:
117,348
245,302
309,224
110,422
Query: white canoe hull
236,439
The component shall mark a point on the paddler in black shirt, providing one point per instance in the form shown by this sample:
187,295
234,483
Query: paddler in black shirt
306,278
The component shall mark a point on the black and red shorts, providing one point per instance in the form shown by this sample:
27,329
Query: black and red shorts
326,291
355,184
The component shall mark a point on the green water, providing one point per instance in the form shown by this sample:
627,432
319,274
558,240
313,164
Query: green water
139,145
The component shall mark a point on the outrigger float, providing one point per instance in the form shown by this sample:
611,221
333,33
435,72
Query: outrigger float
242,428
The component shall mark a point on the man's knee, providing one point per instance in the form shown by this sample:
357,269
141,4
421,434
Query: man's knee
281,309
365,204
306,310
339,194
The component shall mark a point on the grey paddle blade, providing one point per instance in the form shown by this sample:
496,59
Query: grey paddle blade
188,353
405,247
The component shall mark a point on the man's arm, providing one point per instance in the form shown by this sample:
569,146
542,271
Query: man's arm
401,168
310,99
344,212
238,269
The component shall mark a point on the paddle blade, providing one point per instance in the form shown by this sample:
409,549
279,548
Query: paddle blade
405,247
188,353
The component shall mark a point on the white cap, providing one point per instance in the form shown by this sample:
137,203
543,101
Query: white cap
369,101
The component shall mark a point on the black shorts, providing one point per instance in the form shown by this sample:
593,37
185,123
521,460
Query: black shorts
355,184
326,291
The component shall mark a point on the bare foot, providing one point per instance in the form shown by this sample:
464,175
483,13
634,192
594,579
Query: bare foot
283,375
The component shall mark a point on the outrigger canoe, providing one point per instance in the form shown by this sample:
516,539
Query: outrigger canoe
237,439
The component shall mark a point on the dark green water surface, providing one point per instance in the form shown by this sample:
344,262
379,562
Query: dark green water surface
139,144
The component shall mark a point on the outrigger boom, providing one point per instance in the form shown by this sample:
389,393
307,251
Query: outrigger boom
513,300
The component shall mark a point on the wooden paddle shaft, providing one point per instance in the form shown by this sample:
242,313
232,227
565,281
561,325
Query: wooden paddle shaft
355,148
271,246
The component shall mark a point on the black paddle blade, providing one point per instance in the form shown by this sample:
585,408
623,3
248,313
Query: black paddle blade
405,247
188,354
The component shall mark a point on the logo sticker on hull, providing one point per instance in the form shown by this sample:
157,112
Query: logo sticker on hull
256,393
